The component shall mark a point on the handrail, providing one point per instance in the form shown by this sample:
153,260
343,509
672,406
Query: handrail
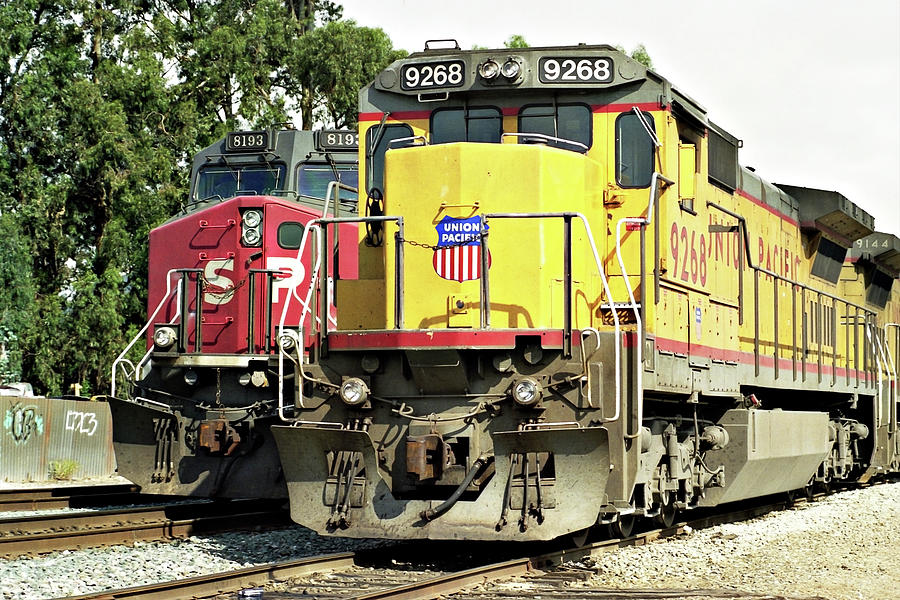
765,271
300,342
617,326
747,257
335,185
121,358
873,341
893,371
638,309
412,138
315,274
545,138
884,362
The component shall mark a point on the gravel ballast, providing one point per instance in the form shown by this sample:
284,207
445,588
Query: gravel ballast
71,573
843,546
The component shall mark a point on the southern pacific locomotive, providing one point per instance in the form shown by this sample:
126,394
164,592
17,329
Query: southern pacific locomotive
194,416
573,307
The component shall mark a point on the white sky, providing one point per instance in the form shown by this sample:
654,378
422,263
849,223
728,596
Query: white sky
812,87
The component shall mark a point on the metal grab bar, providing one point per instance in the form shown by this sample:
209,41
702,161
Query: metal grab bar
332,187
893,372
546,139
567,216
884,362
637,309
270,275
746,257
315,276
121,358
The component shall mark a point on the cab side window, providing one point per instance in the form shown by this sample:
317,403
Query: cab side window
634,151
377,141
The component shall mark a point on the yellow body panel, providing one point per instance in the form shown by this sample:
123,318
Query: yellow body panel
466,180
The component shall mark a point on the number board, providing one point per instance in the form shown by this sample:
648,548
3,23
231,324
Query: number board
426,76
337,140
240,141
575,69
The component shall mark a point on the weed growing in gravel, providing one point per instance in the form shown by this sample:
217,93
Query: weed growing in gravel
64,469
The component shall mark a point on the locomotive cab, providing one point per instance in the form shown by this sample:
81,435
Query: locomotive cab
225,274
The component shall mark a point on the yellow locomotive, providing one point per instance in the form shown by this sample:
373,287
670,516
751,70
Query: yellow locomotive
574,307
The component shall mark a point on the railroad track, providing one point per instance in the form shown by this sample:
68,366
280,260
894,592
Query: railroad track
365,576
66,497
66,531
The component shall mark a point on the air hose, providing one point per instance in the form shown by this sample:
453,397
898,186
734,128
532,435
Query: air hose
433,513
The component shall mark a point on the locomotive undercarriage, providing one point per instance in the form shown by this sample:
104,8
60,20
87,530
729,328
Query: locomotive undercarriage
203,423
440,447
472,462
437,447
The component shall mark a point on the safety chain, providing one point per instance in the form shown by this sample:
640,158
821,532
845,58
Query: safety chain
464,242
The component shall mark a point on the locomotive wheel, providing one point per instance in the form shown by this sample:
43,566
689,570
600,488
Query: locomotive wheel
790,497
666,516
667,511
809,490
621,527
579,538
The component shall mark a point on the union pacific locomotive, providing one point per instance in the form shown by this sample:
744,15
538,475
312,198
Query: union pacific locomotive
192,416
573,306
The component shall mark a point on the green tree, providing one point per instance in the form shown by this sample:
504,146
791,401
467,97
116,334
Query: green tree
102,105
334,62
639,54
515,41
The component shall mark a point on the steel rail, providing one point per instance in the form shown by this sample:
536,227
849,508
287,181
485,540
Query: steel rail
229,581
108,531
52,498
450,582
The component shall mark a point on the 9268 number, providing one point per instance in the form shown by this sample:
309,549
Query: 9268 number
576,70
432,75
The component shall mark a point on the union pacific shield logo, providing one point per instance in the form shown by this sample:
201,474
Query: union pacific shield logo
458,253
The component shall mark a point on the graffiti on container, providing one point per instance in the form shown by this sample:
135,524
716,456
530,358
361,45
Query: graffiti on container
82,422
22,422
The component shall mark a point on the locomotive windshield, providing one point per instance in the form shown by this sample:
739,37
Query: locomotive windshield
313,179
226,182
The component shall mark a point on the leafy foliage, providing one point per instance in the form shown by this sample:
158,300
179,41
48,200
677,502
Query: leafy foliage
639,54
336,61
102,105
516,41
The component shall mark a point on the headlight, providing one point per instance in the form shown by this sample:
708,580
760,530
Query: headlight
488,69
250,237
354,391
252,218
164,337
288,340
527,391
510,69
251,227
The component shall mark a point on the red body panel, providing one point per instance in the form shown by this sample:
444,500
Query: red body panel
210,240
